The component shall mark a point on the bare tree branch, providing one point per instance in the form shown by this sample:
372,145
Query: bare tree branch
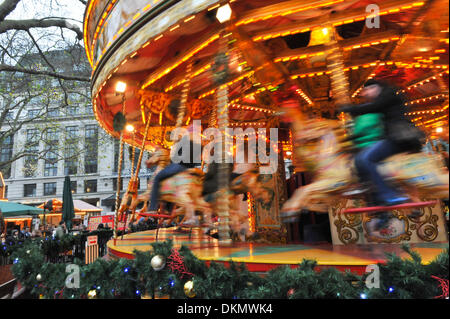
9,68
7,25
51,66
7,7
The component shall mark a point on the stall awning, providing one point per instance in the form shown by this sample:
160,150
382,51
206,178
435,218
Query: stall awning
79,206
10,209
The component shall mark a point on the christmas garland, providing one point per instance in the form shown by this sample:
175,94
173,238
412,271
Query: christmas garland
51,247
167,271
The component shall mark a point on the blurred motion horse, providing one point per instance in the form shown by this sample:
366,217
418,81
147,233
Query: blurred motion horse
319,145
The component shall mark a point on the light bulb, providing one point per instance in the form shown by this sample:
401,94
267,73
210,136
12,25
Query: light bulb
121,86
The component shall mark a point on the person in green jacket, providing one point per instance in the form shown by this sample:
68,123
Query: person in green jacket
367,130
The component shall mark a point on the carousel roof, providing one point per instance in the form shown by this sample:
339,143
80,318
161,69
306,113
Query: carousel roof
267,43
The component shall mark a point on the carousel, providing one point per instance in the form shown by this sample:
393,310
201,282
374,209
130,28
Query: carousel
247,67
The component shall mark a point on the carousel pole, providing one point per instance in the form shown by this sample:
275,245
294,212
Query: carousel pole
223,205
335,63
184,96
119,170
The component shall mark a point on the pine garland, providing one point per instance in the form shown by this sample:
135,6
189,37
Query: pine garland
123,278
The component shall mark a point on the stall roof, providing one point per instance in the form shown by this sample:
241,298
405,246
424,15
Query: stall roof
79,205
10,209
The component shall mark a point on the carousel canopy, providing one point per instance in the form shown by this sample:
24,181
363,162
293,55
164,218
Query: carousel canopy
156,50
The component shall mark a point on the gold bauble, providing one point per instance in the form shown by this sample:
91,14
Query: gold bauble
189,289
92,294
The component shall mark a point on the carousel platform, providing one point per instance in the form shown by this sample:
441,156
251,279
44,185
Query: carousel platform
264,257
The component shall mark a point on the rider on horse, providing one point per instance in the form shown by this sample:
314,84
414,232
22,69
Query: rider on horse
400,136
172,169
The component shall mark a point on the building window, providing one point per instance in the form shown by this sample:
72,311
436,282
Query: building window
71,151
91,147
50,168
32,114
90,186
31,146
72,132
29,190
114,182
49,189
6,152
73,187
51,156
72,110
53,112
89,109
32,135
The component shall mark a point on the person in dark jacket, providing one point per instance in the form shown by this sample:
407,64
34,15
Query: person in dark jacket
389,102
169,171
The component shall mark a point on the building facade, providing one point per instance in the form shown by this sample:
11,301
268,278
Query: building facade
56,141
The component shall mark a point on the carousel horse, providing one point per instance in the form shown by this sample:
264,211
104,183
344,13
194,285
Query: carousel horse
183,189
128,198
319,144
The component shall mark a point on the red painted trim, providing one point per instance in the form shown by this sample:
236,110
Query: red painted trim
382,208
262,267
118,254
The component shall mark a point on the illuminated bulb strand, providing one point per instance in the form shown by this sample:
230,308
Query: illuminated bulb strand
367,65
428,111
287,12
429,98
304,96
101,25
198,72
258,91
126,25
184,97
335,24
184,59
427,80
246,75
251,108
433,120
371,76
248,124
348,48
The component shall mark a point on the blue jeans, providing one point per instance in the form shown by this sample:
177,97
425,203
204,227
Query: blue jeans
167,172
366,163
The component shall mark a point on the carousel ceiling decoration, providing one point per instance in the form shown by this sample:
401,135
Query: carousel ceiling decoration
160,48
